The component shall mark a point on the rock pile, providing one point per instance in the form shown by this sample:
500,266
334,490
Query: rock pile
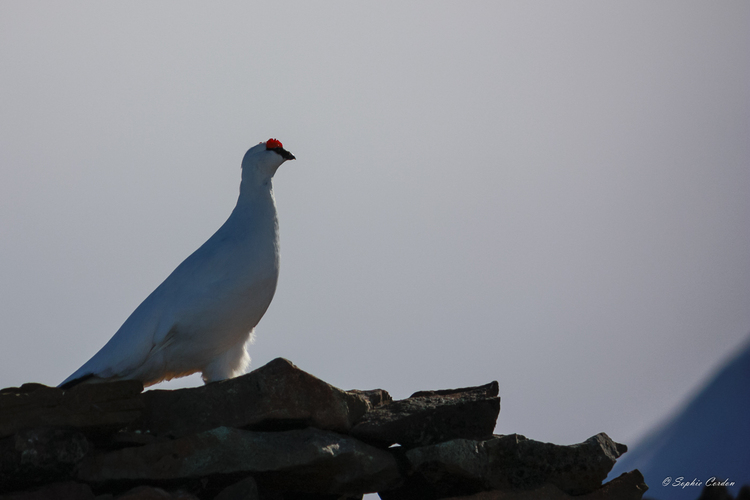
279,433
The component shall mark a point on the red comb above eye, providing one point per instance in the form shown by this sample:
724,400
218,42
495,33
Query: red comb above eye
273,144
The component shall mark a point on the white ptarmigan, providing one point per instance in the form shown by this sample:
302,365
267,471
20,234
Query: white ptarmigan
202,316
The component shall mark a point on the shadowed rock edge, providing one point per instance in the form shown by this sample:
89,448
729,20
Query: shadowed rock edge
280,432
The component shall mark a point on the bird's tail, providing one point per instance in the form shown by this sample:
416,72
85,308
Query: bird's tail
69,383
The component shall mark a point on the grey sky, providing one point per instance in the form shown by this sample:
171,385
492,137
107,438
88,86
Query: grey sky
553,195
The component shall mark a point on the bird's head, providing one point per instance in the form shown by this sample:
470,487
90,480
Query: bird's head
262,161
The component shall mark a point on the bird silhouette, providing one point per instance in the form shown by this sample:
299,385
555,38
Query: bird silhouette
202,316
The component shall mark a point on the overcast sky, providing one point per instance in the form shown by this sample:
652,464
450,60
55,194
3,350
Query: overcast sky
554,195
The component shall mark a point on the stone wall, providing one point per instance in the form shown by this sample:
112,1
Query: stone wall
279,433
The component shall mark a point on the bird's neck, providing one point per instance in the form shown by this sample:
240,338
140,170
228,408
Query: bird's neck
256,201
252,191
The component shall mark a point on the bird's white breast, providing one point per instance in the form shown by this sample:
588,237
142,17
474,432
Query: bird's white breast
223,289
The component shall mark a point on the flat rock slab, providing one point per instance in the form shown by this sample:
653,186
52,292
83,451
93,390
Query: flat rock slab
276,396
308,460
629,486
92,408
68,490
375,397
429,417
38,456
246,489
576,469
461,466
151,493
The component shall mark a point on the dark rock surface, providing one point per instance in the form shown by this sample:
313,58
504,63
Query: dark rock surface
723,493
68,490
279,433
506,463
38,456
577,469
278,395
374,397
429,417
152,493
93,408
246,489
629,486
302,460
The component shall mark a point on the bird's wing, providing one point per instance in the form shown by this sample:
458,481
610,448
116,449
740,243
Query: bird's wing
131,346
151,327
195,286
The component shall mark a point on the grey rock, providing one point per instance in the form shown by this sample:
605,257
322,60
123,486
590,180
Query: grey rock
629,486
715,493
306,460
123,439
465,467
276,396
37,456
152,493
245,489
518,462
279,433
95,409
430,417
58,491
375,397
452,468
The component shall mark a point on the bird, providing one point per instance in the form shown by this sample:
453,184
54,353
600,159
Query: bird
204,314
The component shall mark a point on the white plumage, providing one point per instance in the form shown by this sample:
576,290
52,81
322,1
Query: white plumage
202,316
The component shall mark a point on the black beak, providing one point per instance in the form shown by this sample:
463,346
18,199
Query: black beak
284,153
